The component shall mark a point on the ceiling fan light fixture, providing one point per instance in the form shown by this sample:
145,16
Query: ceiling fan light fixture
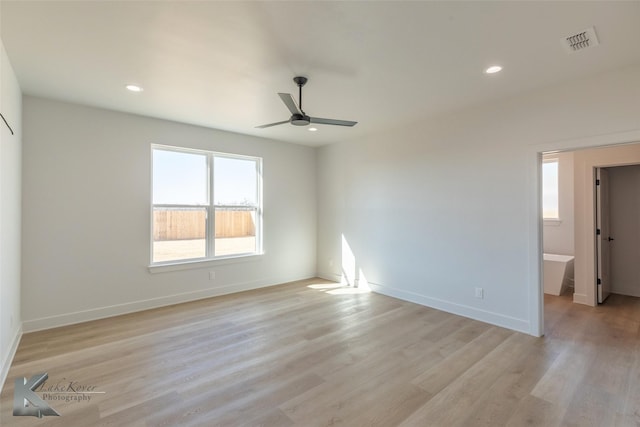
300,120
312,129
134,88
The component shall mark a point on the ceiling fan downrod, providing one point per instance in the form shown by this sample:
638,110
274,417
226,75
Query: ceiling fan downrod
300,81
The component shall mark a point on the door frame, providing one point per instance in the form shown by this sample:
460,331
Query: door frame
585,263
602,234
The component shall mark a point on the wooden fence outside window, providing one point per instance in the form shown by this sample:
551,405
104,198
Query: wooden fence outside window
187,224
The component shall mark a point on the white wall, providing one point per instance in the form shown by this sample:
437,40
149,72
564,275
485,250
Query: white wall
558,235
434,209
10,205
624,208
87,223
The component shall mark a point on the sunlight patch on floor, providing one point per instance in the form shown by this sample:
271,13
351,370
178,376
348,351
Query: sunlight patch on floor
352,280
325,286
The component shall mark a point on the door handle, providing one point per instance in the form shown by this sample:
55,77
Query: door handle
610,238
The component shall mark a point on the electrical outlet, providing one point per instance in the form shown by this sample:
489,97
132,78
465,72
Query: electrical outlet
212,275
479,293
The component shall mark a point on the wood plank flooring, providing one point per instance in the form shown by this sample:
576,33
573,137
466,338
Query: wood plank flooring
312,354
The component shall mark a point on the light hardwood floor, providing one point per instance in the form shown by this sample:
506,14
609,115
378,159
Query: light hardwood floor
310,354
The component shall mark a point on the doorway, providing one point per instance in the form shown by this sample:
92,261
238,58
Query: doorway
623,199
574,232
558,222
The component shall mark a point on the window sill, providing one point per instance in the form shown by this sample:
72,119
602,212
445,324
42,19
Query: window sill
552,222
205,263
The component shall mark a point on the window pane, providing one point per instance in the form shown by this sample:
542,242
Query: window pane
550,190
235,231
179,233
186,223
179,178
235,182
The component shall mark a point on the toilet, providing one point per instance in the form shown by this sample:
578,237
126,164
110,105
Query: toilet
558,273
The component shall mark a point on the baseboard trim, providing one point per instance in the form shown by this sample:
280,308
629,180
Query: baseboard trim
132,307
501,320
581,299
8,358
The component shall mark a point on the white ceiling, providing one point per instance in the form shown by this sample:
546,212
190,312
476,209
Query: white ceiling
383,64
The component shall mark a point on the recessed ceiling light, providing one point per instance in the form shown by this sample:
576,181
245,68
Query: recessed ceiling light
313,129
134,88
493,69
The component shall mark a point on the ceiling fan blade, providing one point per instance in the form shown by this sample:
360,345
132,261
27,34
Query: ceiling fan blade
290,103
272,124
332,122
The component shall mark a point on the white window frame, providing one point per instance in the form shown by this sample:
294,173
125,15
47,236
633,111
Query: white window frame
210,208
551,220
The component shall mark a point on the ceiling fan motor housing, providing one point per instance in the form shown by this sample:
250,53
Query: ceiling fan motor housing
300,120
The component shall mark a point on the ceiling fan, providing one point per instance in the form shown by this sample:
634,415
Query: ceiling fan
298,116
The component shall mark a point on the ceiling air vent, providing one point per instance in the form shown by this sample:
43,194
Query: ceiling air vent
582,40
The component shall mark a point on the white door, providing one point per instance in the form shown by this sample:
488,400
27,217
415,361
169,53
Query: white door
603,239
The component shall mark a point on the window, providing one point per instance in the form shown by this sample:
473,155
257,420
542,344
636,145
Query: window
206,205
550,207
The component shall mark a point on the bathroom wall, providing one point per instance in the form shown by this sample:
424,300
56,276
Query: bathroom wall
558,237
624,215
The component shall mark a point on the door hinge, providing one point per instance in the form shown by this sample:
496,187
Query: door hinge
599,281
597,231
597,182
